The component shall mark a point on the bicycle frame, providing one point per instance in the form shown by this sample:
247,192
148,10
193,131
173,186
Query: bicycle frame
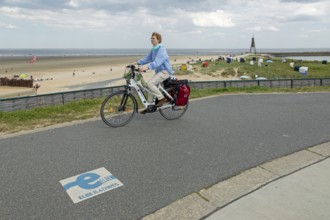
139,90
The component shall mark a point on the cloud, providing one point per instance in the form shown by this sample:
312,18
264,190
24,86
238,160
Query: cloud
67,18
273,28
207,14
183,22
7,26
73,3
219,34
318,30
302,12
303,36
218,18
301,1
265,28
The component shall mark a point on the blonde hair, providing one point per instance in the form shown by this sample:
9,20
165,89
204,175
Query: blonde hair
158,36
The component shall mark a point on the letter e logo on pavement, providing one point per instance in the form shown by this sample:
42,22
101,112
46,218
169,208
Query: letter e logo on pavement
90,184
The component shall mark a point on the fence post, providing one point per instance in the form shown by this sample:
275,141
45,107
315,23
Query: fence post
63,98
321,82
291,83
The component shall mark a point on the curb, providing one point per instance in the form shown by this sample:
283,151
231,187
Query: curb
205,202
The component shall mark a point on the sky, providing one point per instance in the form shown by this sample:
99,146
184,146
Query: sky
182,23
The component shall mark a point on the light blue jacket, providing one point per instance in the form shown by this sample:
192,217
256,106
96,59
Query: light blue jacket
158,60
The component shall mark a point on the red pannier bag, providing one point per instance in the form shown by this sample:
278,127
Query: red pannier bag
183,95
180,91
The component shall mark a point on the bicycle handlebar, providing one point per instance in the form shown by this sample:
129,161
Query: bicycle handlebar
133,68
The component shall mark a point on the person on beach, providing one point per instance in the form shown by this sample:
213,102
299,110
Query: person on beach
158,60
35,88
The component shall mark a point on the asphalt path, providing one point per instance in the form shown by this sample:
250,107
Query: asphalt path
158,161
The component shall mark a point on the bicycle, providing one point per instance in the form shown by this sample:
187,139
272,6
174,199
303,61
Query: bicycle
119,108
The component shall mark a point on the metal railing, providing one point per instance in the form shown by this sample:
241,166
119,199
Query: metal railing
29,102
271,83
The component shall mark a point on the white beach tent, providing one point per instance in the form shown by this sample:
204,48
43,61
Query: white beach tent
303,70
244,77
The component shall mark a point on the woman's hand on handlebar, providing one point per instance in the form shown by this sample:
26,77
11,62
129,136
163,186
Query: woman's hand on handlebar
144,68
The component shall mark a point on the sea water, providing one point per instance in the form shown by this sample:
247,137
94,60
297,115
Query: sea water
142,51
310,58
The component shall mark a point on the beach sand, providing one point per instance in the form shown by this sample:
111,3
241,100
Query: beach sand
59,74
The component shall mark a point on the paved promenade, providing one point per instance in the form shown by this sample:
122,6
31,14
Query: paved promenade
292,187
226,153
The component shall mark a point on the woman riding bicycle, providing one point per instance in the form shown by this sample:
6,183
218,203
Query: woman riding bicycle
119,107
157,60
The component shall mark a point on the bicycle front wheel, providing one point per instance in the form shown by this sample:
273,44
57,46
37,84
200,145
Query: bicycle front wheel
173,112
118,109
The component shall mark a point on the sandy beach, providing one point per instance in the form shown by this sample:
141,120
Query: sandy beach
59,74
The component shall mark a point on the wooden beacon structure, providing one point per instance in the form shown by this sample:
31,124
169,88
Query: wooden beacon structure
253,46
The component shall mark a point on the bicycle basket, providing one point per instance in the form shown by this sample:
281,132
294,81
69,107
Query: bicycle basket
127,74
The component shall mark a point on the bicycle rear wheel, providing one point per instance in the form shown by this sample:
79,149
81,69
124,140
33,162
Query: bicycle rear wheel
118,109
173,112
